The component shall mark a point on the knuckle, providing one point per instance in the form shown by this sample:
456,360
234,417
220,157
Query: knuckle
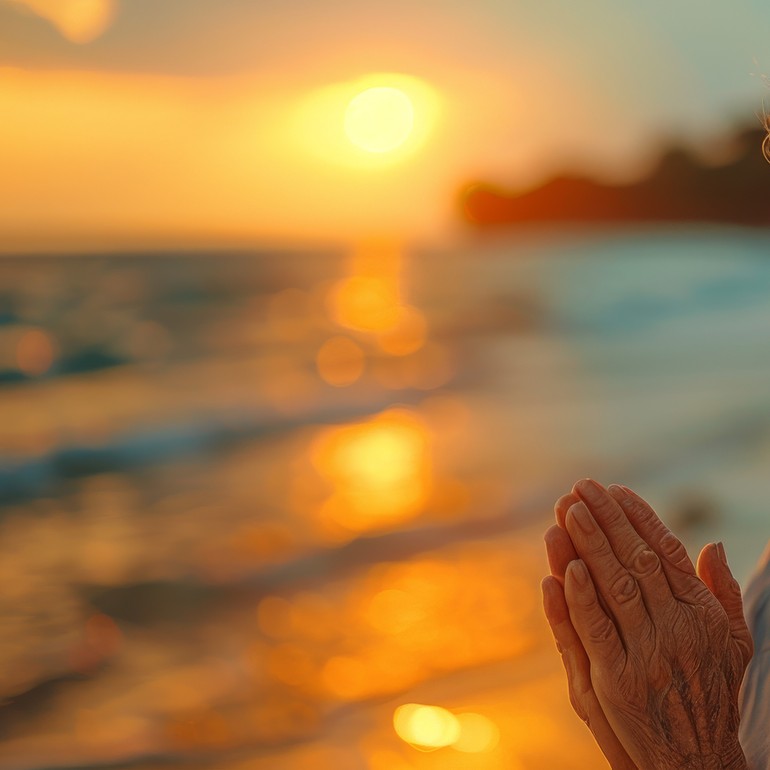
673,548
611,515
600,630
644,562
607,510
639,510
624,588
600,548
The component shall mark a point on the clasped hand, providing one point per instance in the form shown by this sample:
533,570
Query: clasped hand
654,650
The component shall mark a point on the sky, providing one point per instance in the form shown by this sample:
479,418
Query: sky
220,122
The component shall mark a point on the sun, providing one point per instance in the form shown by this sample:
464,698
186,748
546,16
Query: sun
379,119
374,122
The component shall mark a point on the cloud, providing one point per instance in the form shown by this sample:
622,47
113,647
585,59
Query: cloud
80,21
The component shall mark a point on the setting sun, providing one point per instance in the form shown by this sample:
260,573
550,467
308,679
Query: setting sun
379,119
374,122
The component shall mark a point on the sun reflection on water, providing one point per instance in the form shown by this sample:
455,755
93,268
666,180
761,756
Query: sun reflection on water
431,727
380,471
334,564
370,300
428,727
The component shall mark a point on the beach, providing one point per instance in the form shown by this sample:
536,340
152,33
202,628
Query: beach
253,503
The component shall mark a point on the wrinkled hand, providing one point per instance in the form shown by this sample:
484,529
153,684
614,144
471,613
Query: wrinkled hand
582,696
655,652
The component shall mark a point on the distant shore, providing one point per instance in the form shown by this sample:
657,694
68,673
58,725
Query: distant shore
681,189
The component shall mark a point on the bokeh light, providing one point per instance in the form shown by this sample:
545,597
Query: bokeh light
429,727
379,119
366,303
380,471
340,361
370,123
477,734
407,335
432,727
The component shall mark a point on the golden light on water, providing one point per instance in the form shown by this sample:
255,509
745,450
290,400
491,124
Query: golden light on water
429,727
366,303
371,300
384,759
393,611
340,362
407,335
290,664
379,119
345,677
379,470
433,727
372,304
477,734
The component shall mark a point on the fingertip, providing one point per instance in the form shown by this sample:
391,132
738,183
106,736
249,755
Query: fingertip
721,553
709,560
559,551
554,604
713,570
587,487
577,574
552,533
556,538
561,506
546,584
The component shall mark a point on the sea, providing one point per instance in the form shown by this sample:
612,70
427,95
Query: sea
284,509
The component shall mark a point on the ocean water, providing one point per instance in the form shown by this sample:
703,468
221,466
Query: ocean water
253,504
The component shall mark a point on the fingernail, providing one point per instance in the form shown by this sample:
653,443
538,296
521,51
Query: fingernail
579,572
616,490
583,518
591,490
721,552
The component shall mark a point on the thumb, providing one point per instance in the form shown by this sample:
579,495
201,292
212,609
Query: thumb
714,571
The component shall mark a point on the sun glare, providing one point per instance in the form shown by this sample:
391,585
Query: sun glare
373,122
379,119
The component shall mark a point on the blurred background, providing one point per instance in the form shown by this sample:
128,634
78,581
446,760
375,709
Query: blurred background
308,313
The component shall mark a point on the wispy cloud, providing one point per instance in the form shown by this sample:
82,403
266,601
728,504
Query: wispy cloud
80,21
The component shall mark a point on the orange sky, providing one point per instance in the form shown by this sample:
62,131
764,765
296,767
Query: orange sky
93,158
107,140
103,156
